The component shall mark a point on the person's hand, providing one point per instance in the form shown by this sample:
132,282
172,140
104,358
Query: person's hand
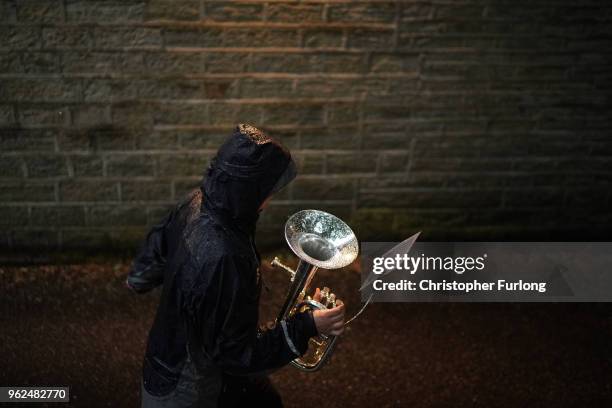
329,321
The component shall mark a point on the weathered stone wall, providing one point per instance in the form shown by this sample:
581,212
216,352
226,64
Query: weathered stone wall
463,119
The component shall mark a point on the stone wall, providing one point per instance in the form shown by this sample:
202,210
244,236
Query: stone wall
463,119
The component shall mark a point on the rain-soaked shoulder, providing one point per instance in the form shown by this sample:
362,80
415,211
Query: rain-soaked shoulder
206,241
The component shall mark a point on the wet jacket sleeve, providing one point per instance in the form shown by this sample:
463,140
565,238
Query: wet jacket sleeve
147,270
237,345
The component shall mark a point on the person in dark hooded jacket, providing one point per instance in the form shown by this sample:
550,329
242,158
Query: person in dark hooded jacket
204,348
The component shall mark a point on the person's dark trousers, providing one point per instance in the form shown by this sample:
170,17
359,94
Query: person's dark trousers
198,390
251,391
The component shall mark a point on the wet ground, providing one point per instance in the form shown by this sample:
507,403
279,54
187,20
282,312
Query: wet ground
77,325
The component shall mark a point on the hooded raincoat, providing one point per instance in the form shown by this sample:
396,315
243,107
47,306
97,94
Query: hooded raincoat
205,332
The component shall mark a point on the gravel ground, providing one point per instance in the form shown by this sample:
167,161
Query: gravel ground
77,325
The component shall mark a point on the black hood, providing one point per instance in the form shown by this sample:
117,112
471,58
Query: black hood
249,167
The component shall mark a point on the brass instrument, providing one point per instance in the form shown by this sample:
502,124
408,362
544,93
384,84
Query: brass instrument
319,240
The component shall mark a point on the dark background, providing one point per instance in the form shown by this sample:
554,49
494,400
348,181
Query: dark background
463,119
78,325
466,120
